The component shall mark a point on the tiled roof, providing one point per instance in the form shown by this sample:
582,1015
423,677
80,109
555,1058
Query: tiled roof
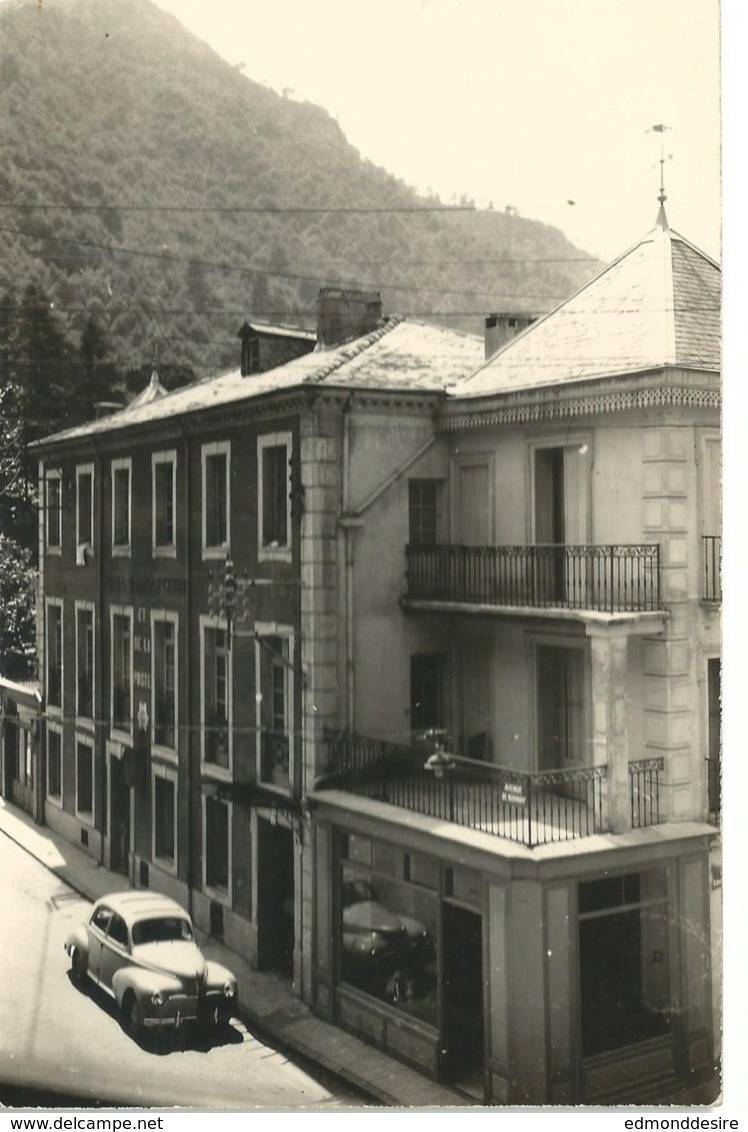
401,355
656,305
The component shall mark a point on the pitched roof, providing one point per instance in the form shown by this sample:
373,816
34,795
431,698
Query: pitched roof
656,305
400,355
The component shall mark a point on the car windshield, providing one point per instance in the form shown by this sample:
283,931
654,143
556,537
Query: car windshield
161,929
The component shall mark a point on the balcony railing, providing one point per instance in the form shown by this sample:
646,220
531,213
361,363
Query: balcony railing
712,567
530,808
611,579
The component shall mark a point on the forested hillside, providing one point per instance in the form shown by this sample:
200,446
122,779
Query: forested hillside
152,197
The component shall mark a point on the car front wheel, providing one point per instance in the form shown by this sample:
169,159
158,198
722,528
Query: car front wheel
77,966
131,1019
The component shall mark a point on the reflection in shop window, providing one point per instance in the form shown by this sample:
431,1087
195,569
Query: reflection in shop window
388,929
624,960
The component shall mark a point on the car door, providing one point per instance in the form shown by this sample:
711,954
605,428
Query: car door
98,926
115,951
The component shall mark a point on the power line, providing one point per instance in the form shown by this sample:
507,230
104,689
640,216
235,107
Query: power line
282,210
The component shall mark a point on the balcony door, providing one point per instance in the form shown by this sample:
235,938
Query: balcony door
561,517
475,698
472,504
561,706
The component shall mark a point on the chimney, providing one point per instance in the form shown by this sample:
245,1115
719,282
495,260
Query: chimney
250,350
501,328
105,409
343,315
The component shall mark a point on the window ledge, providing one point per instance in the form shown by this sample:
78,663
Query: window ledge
274,554
122,550
222,895
166,754
219,773
167,551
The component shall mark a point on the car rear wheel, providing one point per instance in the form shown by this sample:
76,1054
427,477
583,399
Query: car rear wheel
131,1019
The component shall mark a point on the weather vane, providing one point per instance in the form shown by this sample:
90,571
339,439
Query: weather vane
660,129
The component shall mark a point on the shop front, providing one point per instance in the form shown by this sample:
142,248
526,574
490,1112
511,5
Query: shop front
20,716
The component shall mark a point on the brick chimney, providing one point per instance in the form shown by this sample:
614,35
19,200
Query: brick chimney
343,314
500,328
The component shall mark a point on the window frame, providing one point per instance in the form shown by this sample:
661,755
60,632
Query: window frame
210,624
285,632
580,646
118,734
88,817
416,507
159,460
84,471
166,774
121,464
55,728
56,603
207,451
52,475
221,895
80,719
160,617
265,551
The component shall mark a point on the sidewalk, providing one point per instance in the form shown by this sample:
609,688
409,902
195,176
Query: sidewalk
266,1003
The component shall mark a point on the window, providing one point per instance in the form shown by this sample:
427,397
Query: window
54,655
53,492
122,670
84,652
216,841
216,694
624,960
561,706
274,512
118,931
84,515
422,512
121,506
426,691
165,816
164,468
274,699
164,679
216,498
54,763
84,779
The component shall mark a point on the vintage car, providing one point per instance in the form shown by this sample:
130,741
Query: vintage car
140,948
381,948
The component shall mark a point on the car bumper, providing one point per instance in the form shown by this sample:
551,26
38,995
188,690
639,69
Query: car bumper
179,1009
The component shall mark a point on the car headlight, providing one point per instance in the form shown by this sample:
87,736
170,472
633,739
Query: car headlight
157,998
229,989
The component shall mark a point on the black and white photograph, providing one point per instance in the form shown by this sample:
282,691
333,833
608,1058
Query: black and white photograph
361,572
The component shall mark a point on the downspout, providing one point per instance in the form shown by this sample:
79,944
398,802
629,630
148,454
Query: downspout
99,700
188,651
41,645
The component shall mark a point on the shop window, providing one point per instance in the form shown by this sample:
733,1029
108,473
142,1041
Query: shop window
216,498
84,646
54,655
427,691
54,763
387,930
164,680
121,505
84,783
274,699
164,816
164,466
216,827
53,500
423,499
216,699
84,525
624,960
274,512
122,671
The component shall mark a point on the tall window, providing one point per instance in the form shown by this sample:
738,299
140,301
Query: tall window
216,699
53,501
54,763
164,816
274,469
84,646
54,655
164,680
426,694
84,779
216,844
422,512
216,498
164,466
274,698
84,524
122,671
561,706
121,505
624,960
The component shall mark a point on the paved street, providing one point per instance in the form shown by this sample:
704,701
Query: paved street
54,1036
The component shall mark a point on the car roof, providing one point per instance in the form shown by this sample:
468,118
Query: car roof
137,905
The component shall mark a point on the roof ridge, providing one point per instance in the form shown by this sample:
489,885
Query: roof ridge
359,346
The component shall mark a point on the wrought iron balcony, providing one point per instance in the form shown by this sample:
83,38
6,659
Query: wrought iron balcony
529,808
712,567
610,578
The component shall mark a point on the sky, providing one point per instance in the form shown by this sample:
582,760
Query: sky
544,105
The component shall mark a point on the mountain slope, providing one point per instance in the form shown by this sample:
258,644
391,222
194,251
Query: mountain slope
166,177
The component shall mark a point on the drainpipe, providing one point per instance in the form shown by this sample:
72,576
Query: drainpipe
99,684
188,651
41,642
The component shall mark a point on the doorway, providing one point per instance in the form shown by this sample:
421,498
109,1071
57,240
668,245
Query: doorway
120,819
462,998
275,897
714,755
